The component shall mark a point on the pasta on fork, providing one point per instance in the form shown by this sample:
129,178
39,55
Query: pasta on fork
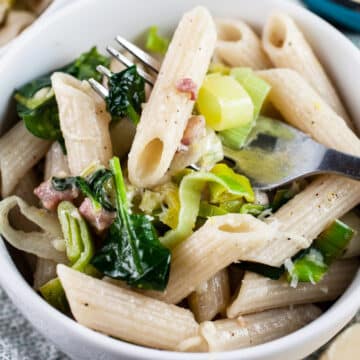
141,228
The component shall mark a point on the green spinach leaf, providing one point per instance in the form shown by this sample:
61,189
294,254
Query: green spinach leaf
96,187
36,103
126,94
132,250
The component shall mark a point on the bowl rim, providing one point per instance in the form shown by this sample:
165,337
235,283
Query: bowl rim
11,279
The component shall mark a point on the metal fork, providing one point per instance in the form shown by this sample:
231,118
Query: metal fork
141,55
271,158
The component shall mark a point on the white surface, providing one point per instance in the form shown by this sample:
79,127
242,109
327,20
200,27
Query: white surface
56,41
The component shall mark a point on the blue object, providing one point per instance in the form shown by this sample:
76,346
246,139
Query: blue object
343,12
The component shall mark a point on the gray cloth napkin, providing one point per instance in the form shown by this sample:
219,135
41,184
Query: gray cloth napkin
20,341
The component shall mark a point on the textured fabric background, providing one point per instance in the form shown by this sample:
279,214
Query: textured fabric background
20,341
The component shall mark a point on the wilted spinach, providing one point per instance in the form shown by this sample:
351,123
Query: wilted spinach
126,94
96,187
132,250
39,109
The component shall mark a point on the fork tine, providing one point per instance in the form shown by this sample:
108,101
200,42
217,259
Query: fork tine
124,60
139,54
103,70
101,90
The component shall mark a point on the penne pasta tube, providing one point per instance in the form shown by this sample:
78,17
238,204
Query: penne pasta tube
329,196
250,330
303,108
258,293
352,219
37,6
19,152
24,190
345,346
45,271
55,165
46,243
16,21
238,45
122,135
220,242
307,215
211,297
125,314
165,116
56,162
84,123
287,47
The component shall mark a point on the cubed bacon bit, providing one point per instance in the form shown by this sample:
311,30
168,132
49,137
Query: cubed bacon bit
187,85
50,198
99,219
194,131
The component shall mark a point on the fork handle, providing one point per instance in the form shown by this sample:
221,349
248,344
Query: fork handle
340,163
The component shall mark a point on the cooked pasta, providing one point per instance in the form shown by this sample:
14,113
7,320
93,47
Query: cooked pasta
81,109
211,297
257,328
16,22
328,197
258,293
124,313
41,243
56,162
19,152
238,45
45,271
144,228
220,242
166,113
287,47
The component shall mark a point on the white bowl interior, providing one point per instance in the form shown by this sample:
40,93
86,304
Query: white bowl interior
57,40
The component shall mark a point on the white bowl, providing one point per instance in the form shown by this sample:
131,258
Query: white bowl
57,40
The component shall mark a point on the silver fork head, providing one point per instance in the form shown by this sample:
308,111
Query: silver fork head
276,154
139,54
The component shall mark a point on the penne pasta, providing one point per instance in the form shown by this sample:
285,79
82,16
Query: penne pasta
345,346
122,135
165,116
16,21
45,243
307,215
145,218
19,152
250,330
56,162
329,196
352,219
37,6
220,242
45,271
55,165
84,123
238,45
24,190
211,297
258,293
302,107
287,47
123,313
